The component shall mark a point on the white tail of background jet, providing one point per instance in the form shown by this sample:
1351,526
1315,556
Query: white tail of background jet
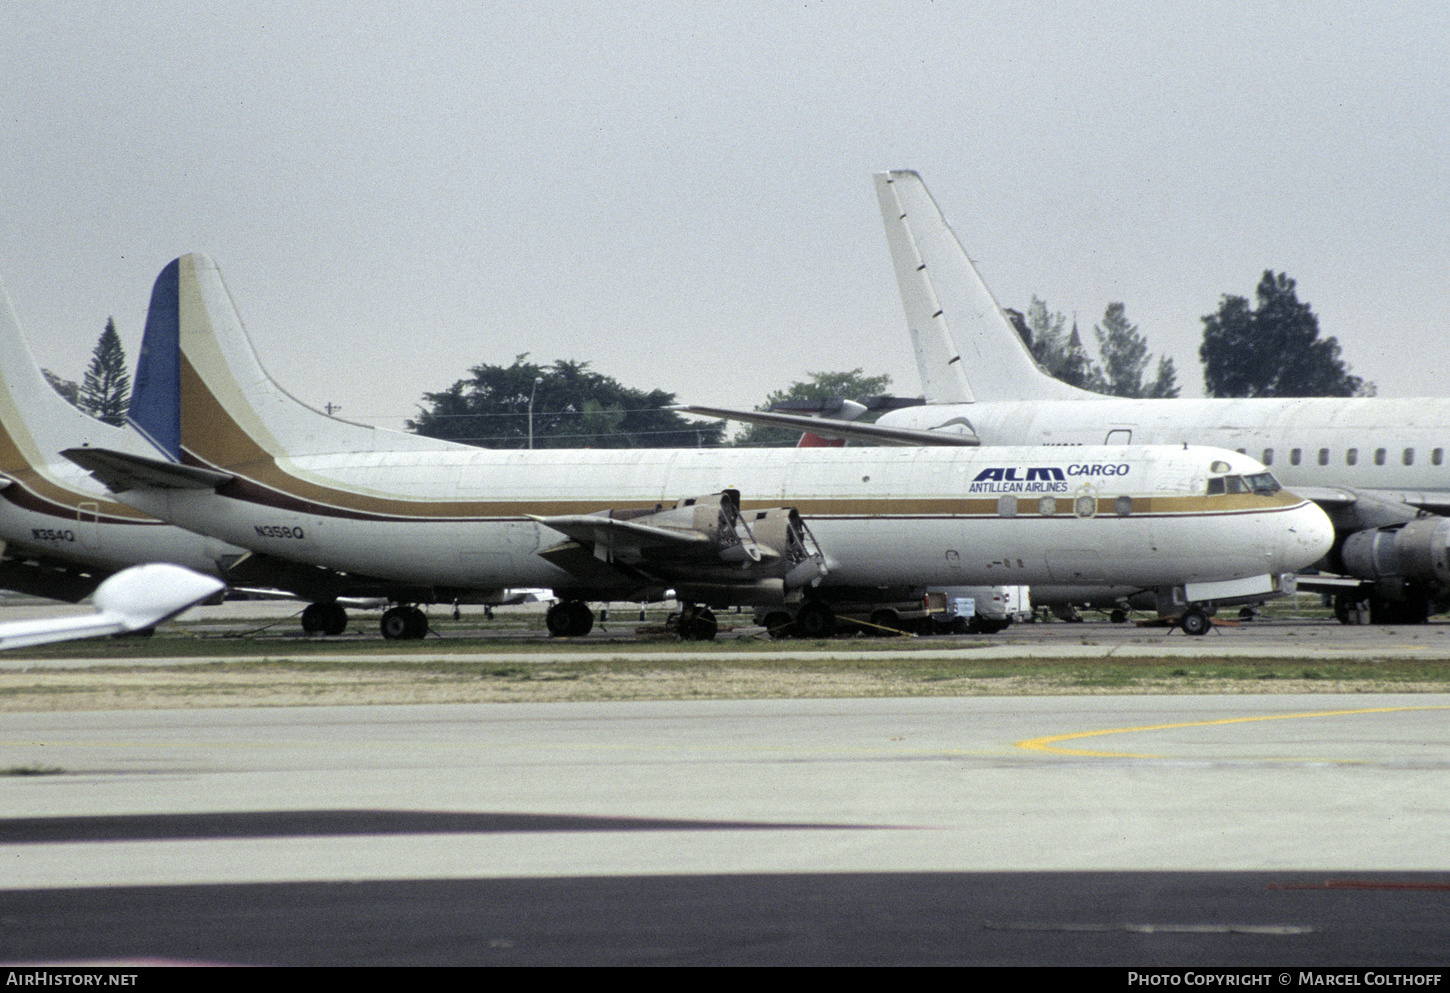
966,349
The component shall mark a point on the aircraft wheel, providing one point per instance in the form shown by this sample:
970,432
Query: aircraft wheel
335,622
314,618
703,626
396,624
816,620
570,619
884,622
1195,622
1348,609
417,624
1118,616
778,624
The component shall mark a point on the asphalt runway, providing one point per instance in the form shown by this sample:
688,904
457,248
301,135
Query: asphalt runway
1108,830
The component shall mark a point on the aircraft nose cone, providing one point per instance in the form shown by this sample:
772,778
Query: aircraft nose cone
1311,536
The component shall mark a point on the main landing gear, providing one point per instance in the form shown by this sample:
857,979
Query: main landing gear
404,623
1195,621
697,623
569,619
324,618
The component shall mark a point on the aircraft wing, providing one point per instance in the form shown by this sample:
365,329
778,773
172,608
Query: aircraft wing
828,428
120,471
1332,498
135,598
607,532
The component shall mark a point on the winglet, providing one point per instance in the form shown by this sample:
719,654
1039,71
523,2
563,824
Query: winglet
156,398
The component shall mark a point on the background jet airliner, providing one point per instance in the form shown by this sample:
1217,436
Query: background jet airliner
793,529
130,600
1377,466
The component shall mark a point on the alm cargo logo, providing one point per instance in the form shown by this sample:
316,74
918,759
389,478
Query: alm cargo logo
1042,479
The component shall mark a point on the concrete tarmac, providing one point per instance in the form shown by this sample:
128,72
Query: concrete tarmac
1200,830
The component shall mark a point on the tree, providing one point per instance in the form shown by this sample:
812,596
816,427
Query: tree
105,393
572,406
67,388
1123,350
1058,351
853,385
1124,355
1273,350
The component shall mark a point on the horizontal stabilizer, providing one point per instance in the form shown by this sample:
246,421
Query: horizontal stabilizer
135,598
828,428
120,471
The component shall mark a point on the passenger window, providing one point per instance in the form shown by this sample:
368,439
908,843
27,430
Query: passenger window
1268,458
1323,456
1379,456
1047,506
1351,456
1085,506
1007,506
1123,505
1294,456
1437,456
1409,457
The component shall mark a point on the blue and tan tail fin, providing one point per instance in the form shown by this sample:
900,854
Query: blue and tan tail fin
203,397
965,348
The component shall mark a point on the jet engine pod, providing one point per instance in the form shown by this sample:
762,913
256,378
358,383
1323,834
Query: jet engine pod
1418,552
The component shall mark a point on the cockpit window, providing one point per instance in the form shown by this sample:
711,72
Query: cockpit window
1262,483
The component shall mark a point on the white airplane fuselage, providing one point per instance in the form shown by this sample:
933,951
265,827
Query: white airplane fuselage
1395,447
1376,465
882,517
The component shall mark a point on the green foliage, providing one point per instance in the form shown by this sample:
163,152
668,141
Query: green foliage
1124,354
105,393
1273,350
67,388
573,407
853,385
1122,349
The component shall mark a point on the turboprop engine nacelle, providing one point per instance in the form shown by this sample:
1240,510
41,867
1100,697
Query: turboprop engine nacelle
1417,552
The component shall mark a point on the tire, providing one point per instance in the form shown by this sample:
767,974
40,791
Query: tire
703,626
336,621
571,619
816,620
778,624
884,619
396,624
314,618
1195,622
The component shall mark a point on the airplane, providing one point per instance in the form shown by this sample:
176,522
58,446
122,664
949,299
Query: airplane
1377,466
792,530
62,533
136,598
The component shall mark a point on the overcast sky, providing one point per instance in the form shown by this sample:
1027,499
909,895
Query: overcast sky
680,193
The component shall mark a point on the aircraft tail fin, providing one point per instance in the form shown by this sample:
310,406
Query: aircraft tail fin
203,397
36,422
965,348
